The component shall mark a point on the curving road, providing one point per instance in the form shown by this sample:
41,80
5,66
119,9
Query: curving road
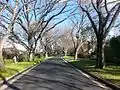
55,74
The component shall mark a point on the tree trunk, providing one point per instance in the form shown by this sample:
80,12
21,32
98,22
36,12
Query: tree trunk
46,54
65,52
76,52
1,63
100,63
1,57
15,59
76,55
31,56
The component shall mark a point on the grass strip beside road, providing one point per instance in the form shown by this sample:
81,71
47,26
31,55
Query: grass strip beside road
110,73
13,68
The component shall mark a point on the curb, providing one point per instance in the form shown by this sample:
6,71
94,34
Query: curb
17,74
108,84
103,86
112,86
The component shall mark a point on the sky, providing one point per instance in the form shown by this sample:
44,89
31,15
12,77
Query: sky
67,23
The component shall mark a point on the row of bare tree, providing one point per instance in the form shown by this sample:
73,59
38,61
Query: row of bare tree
26,21
97,18
102,15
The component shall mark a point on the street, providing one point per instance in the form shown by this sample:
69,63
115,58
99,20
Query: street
55,74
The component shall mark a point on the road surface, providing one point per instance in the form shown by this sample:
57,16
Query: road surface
55,74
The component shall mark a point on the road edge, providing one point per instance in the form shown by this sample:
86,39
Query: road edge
16,76
89,76
108,84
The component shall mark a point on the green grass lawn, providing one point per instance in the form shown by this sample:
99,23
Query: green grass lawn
68,58
111,73
13,68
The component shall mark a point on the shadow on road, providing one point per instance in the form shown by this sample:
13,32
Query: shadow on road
5,82
54,74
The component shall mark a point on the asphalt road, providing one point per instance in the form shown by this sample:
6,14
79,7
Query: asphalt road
55,74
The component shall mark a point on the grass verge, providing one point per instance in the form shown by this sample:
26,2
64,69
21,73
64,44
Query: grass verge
13,68
110,73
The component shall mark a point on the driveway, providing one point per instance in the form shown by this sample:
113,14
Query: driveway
55,74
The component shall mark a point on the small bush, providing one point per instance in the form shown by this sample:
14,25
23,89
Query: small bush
115,49
109,57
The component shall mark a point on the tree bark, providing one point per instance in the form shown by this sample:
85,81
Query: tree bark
65,52
100,63
15,59
76,52
30,56
1,57
46,54
76,55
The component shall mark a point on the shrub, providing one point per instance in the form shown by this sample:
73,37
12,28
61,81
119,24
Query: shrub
109,57
115,46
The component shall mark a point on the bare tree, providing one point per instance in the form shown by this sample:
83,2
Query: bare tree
47,41
3,6
38,17
9,15
65,41
79,26
102,17
7,23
